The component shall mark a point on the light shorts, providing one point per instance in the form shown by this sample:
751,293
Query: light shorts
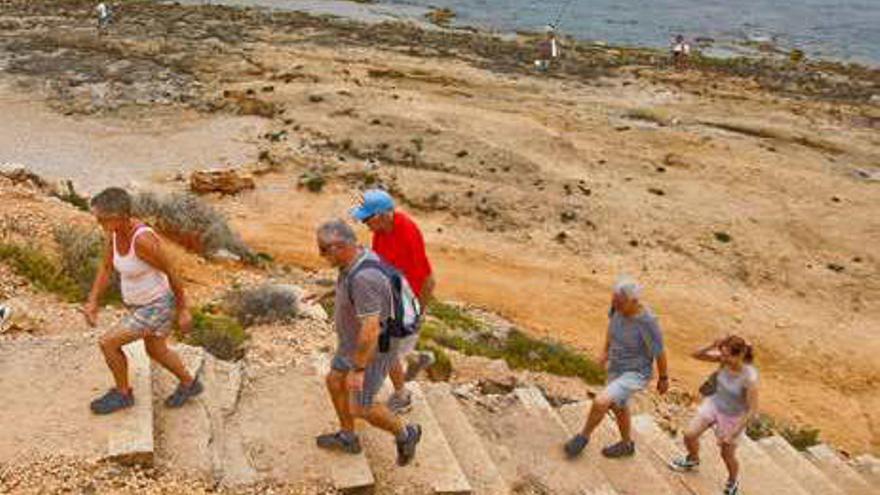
723,424
152,319
406,345
623,386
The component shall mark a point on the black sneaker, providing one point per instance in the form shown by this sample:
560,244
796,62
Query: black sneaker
183,393
684,464
406,448
576,445
619,449
112,401
731,488
344,441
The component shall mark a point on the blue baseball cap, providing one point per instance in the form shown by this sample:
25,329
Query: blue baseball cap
376,201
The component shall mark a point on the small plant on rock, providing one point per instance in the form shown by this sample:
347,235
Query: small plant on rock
264,304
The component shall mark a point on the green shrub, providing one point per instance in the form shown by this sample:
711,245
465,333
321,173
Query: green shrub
219,334
453,328
800,437
441,370
81,251
40,270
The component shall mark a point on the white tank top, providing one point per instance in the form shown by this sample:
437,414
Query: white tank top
141,283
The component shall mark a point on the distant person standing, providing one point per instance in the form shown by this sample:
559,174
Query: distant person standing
731,402
105,16
548,49
633,344
398,240
681,51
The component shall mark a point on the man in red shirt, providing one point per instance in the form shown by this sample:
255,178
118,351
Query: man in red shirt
398,240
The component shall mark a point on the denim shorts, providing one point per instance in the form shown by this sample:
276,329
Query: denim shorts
623,386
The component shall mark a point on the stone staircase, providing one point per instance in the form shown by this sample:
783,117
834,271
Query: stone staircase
257,424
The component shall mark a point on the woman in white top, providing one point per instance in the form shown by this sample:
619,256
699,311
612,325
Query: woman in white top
731,403
152,292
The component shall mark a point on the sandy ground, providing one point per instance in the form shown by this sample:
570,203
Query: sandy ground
534,193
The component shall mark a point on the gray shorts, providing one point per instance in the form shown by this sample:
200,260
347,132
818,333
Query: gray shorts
623,386
374,375
153,319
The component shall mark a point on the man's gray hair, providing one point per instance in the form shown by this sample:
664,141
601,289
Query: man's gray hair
627,287
337,231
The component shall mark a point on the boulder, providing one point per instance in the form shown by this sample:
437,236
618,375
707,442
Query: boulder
220,181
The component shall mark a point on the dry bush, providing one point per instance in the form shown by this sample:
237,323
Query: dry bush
269,303
191,222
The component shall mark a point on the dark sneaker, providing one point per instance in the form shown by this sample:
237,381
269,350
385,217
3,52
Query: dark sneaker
619,449
400,402
684,464
576,445
731,488
344,441
183,393
406,448
112,401
423,360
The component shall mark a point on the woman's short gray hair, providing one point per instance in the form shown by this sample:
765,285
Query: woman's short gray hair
627,287
112,201
337,231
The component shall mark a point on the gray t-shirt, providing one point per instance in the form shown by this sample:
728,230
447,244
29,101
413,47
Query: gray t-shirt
367,293
634,343
730,392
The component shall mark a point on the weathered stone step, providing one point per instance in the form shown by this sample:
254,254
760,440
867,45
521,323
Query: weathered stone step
279,413
710,476
53,415
869,467
618,471
759,474
810,478
465,442
841,473
435,468
525,437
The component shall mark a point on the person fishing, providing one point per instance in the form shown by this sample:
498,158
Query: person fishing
548,49
681,51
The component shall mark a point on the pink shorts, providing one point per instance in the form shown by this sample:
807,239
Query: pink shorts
723,424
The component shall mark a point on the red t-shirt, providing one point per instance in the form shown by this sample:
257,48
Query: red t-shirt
404,249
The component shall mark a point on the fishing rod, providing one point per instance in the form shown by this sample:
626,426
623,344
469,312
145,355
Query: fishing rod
562,9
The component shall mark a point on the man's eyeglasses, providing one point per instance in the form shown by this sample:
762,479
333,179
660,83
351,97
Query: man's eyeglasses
325,248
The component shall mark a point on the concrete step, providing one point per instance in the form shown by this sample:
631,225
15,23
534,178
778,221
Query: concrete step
435,468
841,473
869,467
465,442
707,479
202,438
759,474
618,471
52,415
525,436
279,413
803,471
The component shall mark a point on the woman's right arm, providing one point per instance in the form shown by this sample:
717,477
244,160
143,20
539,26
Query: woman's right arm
708,352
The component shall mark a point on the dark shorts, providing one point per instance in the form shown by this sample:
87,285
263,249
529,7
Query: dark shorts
374,375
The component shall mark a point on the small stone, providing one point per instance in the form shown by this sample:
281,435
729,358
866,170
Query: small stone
568,216
723,237
834,267
561,237
316,98
656,191
462,154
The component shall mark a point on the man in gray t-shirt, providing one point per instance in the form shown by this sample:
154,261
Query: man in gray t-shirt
364,302
633,343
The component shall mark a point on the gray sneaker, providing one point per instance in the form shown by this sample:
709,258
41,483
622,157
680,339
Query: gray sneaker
684,464
422,360
112,401
576,445
731,488
400,402
344,441
619,449
406,448
183,393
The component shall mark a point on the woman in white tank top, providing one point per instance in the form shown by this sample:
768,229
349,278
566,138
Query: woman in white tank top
152,292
